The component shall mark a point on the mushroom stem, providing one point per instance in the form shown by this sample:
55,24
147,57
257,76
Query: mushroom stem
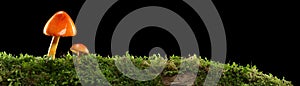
77,53
53,46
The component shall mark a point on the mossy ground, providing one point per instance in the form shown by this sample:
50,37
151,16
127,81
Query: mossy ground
26,70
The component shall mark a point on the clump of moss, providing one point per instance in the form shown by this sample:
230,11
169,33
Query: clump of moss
26,69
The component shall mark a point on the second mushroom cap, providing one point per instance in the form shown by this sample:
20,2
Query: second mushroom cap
79,48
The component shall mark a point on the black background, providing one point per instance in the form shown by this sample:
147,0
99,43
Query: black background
258,33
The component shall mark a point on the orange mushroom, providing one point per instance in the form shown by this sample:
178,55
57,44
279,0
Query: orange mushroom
59,25
79,48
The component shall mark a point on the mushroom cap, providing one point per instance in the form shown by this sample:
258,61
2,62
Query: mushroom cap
79,48
60,24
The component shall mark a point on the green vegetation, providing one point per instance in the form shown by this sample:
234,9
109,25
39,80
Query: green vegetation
39,70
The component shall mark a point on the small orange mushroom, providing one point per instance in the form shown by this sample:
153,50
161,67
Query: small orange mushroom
79,48
59,25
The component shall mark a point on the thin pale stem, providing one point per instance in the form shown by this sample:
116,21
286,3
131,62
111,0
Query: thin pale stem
53,47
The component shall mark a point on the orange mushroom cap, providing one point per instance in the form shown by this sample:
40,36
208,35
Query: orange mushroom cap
60,24
79,48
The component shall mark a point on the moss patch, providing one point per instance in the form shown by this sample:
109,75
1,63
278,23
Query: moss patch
40,70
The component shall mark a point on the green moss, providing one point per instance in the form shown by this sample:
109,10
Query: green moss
26,70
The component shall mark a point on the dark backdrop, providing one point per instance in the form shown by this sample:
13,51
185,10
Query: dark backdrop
258,33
